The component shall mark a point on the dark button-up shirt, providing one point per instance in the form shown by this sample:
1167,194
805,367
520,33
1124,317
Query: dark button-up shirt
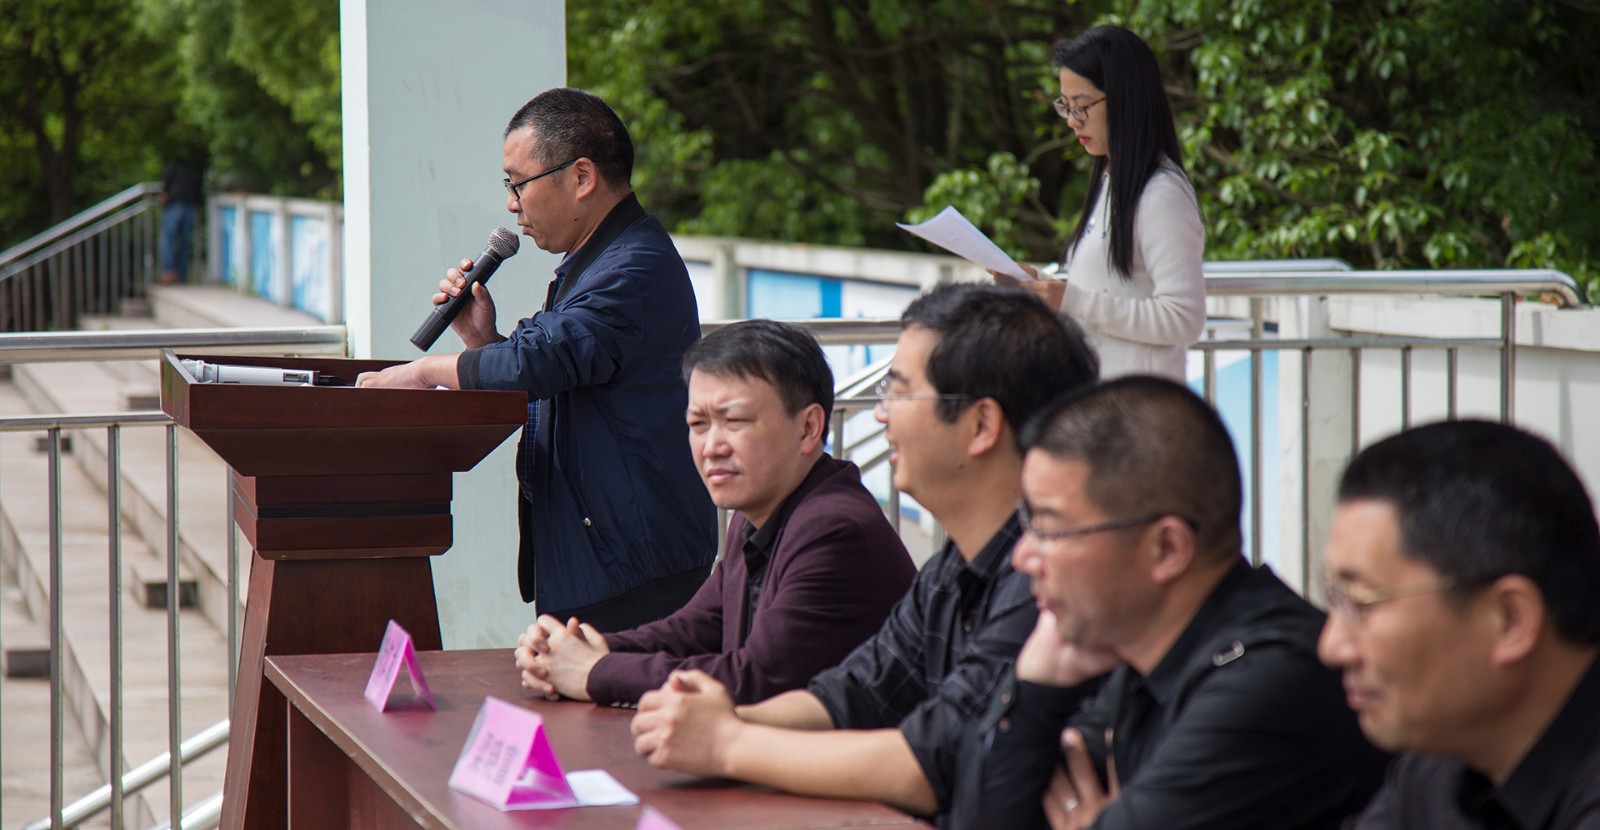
611,499
757,549
939,656
1237,726
1556,787
835,568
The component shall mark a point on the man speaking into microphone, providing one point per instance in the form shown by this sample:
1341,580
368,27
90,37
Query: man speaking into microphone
616,528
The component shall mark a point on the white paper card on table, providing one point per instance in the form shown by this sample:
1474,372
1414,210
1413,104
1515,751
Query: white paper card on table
397,651
649,819
952,232
508,762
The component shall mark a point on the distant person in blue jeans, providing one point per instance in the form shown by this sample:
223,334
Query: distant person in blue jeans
180,200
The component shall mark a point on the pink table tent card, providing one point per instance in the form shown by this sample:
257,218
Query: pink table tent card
508,762
396,652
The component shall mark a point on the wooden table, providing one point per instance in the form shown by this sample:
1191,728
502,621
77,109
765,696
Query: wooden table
351,766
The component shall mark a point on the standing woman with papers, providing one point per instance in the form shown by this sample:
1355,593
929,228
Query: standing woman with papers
1132,266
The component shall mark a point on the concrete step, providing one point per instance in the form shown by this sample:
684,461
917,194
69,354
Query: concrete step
212,306
25,722
203,527
86,639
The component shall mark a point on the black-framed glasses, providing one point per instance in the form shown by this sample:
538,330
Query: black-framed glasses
1351,601
883,395
1026,515
1068,111
512,187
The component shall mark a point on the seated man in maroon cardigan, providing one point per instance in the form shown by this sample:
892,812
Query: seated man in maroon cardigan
811,566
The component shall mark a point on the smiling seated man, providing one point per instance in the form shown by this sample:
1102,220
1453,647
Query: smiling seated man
1464,577
1217,713
973,363
811,568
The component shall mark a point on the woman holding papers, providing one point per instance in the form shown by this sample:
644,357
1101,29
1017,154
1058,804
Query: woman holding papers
1132,266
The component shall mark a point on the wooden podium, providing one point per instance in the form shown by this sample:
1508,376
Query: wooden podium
343,494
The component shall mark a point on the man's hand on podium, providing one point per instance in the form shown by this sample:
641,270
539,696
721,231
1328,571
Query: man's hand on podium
431,372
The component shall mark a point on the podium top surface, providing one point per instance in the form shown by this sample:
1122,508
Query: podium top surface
322,430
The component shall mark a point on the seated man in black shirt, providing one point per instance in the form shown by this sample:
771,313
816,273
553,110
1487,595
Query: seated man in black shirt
1217,713
1464,581
811,567
973,363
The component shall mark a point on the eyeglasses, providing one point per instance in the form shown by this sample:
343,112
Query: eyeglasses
882,393
512,187
1026,515
1352,601
1070,112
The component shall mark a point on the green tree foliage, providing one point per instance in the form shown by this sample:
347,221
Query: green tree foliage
269,118
96,95
1390,133
816,119
84,103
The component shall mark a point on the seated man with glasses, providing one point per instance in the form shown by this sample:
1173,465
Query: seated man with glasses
811,567
973,363
1216,713
1464,576
616,528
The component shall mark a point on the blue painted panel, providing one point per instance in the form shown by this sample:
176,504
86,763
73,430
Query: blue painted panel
780,296
832,298
228,226
308,265
263,255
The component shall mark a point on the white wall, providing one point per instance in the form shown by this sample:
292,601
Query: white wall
428,89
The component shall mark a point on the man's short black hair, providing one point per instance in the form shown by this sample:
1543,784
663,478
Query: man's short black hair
1002,343
1152,446
784,355
1478,500
571,124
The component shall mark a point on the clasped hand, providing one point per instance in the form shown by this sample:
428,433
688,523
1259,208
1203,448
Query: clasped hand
688,724
555,659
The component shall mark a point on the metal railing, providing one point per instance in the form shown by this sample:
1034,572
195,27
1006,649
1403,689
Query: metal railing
83,346
1255,339
88,264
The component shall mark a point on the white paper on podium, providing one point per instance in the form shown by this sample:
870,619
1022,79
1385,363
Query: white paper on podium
952,232
596,788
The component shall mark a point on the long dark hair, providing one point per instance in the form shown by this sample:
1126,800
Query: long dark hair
1138,118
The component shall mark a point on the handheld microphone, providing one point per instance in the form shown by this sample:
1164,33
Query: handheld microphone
204,372
502,244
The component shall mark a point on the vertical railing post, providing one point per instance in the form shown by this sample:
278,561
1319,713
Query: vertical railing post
1405,387
1355,399
58,709
174,714
1450,379
1305,472
1508,356
1257,386
233,600
114,519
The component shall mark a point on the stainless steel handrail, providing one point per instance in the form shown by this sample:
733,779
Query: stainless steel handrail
1450,283
129,196
46,347
140,777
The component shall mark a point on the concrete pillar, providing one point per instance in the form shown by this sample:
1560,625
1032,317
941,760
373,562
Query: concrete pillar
1321,402
428,88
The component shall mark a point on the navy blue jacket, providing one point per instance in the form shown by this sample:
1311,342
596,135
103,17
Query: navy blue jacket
611,493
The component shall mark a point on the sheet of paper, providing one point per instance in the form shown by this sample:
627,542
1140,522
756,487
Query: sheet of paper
596,788
649,819
952,232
